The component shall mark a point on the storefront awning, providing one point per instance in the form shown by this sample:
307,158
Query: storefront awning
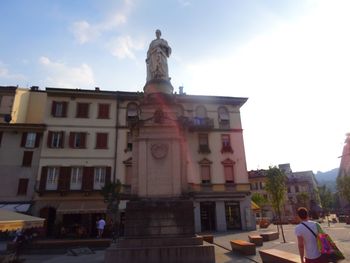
254,206
12,221
82,207
22,208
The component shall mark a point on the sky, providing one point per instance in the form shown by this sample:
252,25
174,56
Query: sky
290,58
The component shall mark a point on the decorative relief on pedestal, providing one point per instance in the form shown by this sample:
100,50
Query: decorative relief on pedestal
159,150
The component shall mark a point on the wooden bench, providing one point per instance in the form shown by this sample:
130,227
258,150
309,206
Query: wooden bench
243,247
256,239
278,256
208,238
268,236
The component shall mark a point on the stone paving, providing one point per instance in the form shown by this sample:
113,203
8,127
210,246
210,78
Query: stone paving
339,232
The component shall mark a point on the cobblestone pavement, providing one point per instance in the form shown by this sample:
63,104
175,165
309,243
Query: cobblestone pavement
339,232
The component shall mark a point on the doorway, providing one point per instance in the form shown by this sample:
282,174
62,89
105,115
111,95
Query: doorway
49,213
233,216
208,216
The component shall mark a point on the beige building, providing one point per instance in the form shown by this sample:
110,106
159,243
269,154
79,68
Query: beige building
21,132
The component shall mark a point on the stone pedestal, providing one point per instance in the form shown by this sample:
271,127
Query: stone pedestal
158,86
160,231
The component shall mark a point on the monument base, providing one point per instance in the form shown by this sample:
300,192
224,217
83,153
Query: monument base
160,250
158,86
160,231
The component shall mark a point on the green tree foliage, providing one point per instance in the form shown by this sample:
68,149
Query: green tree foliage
111,194
276,188
259,199
326,198
303,199
343,186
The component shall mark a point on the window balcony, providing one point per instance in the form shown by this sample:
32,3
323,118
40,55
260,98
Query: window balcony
200,124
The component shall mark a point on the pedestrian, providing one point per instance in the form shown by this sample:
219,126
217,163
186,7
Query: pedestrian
100,227
307,243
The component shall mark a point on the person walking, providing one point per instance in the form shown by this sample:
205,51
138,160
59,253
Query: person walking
307,243
100,227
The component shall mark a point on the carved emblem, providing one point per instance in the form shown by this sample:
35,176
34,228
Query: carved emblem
159,150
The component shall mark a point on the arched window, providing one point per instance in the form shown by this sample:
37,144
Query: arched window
201,112
224,118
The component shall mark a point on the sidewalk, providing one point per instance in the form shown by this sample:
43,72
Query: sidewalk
339,232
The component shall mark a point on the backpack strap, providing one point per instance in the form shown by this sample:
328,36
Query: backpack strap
309,229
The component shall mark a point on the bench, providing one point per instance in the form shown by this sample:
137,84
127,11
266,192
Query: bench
278,256
256,239
243,247
268,236
208,238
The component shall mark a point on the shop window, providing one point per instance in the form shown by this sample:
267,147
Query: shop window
228,171
205,171
82,110
76,178
224,118
55,139
59,109
27,158
226,144
99,177
77,140
203,143
52,178
103,111
22,186
101,140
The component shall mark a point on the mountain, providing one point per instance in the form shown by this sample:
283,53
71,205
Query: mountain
328,178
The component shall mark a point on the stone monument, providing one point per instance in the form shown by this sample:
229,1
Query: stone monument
159,220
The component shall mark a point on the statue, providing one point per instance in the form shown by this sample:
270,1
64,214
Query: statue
156,61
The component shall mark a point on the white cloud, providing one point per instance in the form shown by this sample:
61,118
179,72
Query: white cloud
63,76
5,74
125,46
296,78
84,31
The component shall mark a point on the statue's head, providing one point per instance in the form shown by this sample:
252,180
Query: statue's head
158,33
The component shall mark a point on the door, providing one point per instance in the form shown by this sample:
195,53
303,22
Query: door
208,222
233,216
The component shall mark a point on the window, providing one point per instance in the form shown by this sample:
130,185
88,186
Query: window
59,109
226,144
22,186
99,177
103,111
228,165
203,143
132,111
224,118
128,142
55,139
27,158
76,178
82,110
296,189
30,140
52,178
101,140
201,116
77,140
205,166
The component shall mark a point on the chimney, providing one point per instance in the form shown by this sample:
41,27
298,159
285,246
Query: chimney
97,88
181,90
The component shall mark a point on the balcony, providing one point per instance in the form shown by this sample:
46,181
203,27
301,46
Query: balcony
200,124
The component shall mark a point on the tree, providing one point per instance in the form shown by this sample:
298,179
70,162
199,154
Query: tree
276,188
111,193
343,186
326,199
259,199
303,199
